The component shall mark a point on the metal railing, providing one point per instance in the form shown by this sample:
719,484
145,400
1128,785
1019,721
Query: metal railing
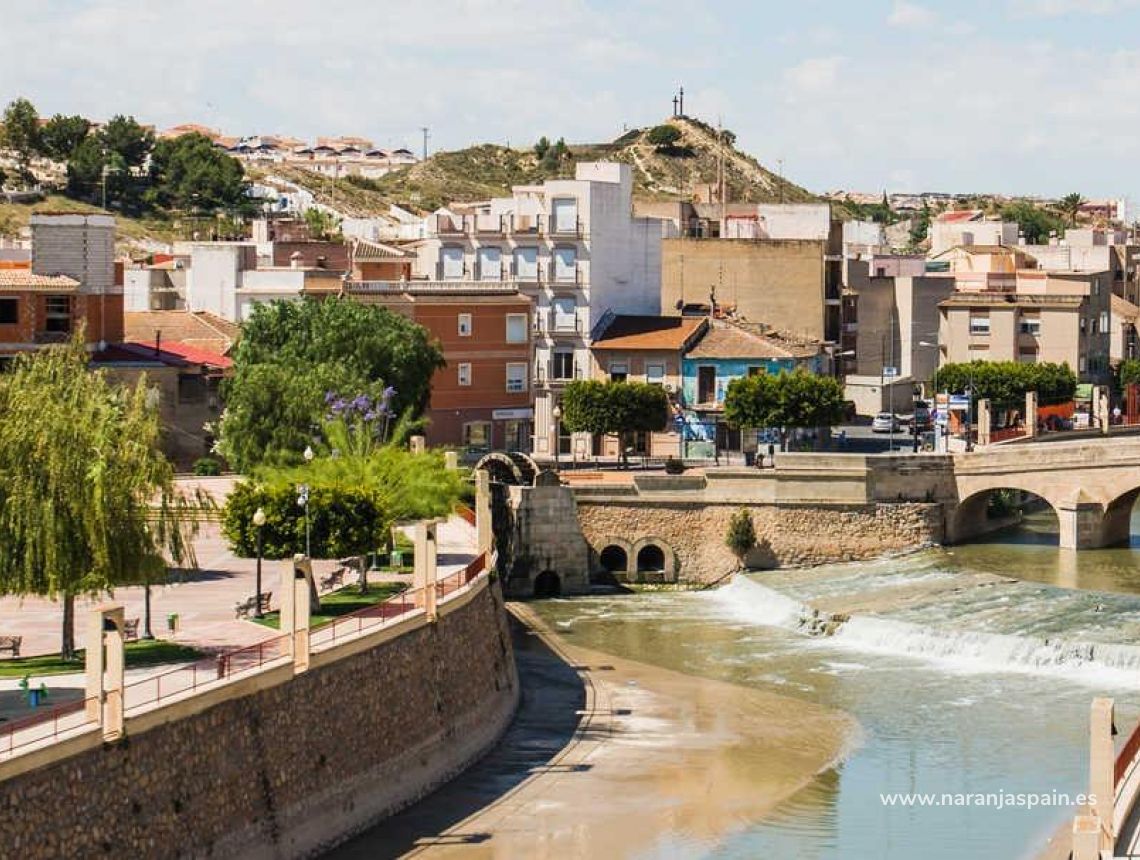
1127,755
44,724
455,581
466,514
375,615
201,673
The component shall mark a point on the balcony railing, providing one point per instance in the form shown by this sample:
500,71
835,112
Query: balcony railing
457,285
513,224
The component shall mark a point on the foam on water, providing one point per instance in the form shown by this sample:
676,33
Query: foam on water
955,648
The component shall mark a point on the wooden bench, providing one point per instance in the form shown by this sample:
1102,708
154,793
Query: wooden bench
131,629
11,643
243,608
334,580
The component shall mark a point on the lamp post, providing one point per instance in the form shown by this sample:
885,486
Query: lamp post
259,523
557,415
303,499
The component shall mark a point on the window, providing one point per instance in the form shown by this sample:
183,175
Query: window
979,323
565,314
57,314
565,264
526,264
1027,356
477,434
516,376
1082,364
1096,286
1084,325
464,370
706,384
1031,324
490,264
465,325
9,311
451,263
655,373
565,214
516,328
563,364
191,388
619,371
756,370
1103,322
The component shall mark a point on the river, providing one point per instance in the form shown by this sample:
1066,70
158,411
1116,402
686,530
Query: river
969,670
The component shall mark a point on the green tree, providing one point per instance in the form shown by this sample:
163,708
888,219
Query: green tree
323,226
614,408
663,136
1004,383
360,486
1036,223
21,133
189,172
542,147
1070,206
124,137
783,401
62,134
87,500
920,227
741,536
1129,372
291,354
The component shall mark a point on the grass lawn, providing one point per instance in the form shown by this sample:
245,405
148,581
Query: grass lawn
141,653
341,602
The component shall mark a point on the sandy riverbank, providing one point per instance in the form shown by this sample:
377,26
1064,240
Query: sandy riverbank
616,758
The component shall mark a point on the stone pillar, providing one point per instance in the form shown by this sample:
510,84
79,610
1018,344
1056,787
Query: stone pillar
1030,414
1086,837
1081,525
416,444
1101,414
1102,769
984,421
484,530
424,570
295,609
105,670
451,460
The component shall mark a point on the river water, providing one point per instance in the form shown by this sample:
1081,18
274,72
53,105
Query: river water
969,670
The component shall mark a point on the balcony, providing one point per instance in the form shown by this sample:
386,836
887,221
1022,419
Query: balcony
543,375
566,227
490,225
447,225
457,286
526,225
567,324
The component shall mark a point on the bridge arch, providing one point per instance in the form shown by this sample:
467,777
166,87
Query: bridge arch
512,467
615,556
1117,525
981,511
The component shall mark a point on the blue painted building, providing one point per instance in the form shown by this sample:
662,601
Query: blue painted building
731,350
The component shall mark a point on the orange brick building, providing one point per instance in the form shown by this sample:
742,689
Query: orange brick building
482,399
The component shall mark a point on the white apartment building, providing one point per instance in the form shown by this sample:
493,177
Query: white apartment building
951,229
575,248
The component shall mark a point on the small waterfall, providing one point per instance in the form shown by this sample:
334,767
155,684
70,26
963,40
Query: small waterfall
961,650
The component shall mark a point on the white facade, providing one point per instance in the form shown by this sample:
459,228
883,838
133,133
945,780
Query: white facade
574,246
945,235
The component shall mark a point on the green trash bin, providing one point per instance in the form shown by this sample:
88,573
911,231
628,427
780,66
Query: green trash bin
172,622
396,560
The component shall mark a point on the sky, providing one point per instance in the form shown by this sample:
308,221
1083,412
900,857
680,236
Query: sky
1004,96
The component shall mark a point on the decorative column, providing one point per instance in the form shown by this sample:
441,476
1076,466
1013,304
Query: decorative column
1031,414
484,530
451,460
984,421
296,609
416,444
105,670
424,570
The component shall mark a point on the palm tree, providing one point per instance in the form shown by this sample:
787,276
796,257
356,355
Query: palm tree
1070,205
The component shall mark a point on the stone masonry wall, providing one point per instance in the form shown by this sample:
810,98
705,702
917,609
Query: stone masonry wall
286,771
787,534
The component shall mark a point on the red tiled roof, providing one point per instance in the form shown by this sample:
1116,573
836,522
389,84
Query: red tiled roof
648,332
190,353
959,217
25,279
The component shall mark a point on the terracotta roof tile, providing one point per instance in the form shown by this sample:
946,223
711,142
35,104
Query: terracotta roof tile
25,279
732,340
648,332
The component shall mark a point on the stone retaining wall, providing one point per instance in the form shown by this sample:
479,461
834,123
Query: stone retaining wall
287,770
787,534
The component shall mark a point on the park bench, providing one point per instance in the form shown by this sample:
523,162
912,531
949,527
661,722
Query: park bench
335,579
243,608
131,629
11,643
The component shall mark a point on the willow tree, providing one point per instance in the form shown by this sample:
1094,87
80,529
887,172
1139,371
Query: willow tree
87,500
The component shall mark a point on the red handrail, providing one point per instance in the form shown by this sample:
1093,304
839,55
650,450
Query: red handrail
41,717
1127,754
466,513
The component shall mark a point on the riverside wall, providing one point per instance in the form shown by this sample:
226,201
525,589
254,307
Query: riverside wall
282,765
787,534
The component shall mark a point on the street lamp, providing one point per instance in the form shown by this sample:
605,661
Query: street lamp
258,522
557,413
303,499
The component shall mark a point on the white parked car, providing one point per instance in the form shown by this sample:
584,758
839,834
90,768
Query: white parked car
885,422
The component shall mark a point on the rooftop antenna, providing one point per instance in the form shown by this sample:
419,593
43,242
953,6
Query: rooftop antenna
427,134
681,101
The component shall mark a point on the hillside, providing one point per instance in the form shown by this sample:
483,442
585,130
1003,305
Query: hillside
489,170
132,234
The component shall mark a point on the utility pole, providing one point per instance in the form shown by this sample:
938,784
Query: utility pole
424,129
